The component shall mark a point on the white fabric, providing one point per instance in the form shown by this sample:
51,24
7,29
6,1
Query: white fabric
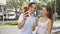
27,28
42,27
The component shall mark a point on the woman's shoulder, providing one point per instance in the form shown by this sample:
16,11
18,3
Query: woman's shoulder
50,21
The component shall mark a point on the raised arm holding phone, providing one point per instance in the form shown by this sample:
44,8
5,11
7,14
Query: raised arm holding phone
27,19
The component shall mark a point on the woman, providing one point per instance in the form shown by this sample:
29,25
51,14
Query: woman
45,23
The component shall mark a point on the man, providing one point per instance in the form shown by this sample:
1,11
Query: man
26,21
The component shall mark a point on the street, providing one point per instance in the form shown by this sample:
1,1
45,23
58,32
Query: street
14,29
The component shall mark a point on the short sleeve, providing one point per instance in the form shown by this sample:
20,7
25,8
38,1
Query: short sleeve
20,18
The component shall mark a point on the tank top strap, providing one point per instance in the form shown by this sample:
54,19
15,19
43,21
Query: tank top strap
40,18
48,20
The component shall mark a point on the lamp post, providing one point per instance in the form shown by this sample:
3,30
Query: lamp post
55,11
55,6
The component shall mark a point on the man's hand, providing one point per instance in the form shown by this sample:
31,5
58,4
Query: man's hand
21,24
25,15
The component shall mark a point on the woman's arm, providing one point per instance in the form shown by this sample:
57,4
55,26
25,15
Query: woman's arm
50,25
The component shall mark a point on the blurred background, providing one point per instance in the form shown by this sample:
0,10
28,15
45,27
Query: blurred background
10,11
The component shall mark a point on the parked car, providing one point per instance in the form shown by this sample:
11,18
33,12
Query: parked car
10,14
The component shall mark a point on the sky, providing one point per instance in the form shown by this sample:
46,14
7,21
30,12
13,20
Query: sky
33,0
3,1
37,0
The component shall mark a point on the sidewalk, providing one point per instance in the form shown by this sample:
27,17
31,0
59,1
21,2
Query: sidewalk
9,30
14,29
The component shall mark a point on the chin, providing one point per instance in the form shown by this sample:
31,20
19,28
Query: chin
43,15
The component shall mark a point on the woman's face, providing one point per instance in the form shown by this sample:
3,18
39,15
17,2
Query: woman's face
44,12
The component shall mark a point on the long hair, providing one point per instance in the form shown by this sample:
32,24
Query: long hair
50,14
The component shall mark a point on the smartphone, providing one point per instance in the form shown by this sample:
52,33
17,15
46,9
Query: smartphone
26,9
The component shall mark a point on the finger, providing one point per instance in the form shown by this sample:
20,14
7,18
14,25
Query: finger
26,15
25,12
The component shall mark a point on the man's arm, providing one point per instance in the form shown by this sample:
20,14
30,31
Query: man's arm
33,26
22,20
21,24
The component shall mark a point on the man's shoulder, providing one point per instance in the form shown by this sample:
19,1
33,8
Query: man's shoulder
21,14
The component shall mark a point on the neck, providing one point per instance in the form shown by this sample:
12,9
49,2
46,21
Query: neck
45,16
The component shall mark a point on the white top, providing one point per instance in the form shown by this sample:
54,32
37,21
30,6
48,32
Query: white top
42,27
27,28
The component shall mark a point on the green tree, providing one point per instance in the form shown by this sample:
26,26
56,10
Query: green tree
52,5
39,5
14,4
45,0
58,6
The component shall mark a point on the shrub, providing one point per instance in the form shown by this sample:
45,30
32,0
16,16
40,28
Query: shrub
11,23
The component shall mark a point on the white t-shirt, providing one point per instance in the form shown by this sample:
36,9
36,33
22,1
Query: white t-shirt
27,28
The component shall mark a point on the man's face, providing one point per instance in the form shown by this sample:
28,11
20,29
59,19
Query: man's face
33,8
